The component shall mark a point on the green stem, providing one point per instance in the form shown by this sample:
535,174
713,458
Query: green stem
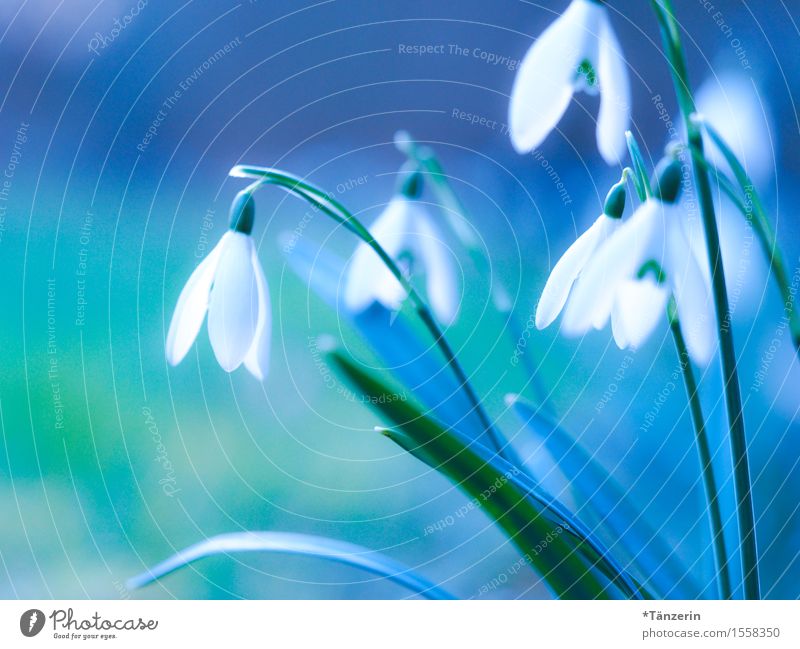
341,215
424,158
722,181
452,207
703,449
733,400
753,207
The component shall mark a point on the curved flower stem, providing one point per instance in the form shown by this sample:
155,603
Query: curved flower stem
701,439
733,401
453,208
753,209
428,163
331,207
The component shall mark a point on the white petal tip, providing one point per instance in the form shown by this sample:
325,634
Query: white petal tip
570,326
612,160
524,140
257,373
520,146
612,149
702,356
445,317
227,365
354,305
541,321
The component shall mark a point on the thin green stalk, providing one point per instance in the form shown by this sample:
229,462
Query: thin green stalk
428,163
341,215
753,207
452,208
722,181
707,468
733,400
698,421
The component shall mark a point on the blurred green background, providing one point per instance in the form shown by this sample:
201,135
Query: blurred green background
111,460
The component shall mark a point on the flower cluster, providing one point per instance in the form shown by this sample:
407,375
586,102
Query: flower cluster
623,272
630,272
627,272
229,284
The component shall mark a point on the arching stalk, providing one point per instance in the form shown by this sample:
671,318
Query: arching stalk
340,214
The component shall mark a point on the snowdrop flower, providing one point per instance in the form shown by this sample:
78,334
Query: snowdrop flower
579,51
634,273
746,271
409,236
732,105
569,267
230,286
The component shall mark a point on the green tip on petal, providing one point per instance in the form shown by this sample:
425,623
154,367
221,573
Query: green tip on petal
411,184
243,212
653,268
667,180
615,201
587,74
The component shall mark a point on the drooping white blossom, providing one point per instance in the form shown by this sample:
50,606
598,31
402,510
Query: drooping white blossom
569,267
579,51
228,285
631,277
732,104
411,237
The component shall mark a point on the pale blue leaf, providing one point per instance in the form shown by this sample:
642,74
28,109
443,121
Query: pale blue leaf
298,544
419,367
599,496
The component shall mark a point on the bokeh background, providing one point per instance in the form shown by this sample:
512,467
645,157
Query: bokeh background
111,460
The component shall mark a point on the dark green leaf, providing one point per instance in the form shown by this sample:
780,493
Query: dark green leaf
551,540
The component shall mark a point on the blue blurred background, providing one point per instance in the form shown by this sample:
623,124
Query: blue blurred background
116,139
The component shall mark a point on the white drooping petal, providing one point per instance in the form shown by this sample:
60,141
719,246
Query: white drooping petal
257,358
615,95
639,305
736,109
233,307
441,272
618,330
368,279
619,258
745,271
566,271
692,296
192,305
545,82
